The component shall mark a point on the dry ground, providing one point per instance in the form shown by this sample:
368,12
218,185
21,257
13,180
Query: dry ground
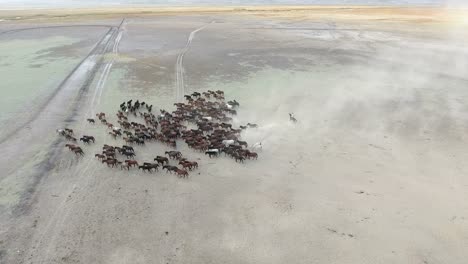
374,172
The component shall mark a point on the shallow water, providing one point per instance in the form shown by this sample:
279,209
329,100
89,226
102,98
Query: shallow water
33,72
33,63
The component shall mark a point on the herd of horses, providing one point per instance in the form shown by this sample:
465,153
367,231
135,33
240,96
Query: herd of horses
203,122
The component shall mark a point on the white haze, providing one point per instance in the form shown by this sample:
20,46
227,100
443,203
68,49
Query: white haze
85,3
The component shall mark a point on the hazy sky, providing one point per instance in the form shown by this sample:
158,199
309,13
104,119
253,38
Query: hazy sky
61,3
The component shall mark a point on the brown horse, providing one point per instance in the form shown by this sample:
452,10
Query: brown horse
78,151
194,164
71,146
252,155
101,115
187,164
110,162
131,163
181,173
99,156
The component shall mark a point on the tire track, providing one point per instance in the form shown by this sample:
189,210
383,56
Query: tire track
179,67
41,108
105,74
83,174
96,99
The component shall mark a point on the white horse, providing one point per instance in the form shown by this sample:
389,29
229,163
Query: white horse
207,118
257,146
228,143
61,132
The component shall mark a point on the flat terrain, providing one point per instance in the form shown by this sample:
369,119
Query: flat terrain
374,171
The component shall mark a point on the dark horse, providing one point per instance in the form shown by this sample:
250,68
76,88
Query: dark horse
292,118
162,160
170,168
212,152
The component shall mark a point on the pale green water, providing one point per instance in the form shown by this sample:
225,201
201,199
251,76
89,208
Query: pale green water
30,73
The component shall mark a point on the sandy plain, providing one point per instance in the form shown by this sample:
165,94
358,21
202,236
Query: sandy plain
374,172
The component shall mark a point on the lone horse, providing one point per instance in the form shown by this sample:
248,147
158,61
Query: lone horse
292,118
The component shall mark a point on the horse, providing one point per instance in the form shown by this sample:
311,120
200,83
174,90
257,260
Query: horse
194,164
69,131
239,158
91,120
131,163
242,143
78,151
212,152
61,132
101,115
90,138
169,168
110,162
252,155
154,166
129,148
161,160
70,138
99,156
71,146
173,154
144,168
292,118
181,173
128,154
257,146
233,103
85,140
227,143
188,164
